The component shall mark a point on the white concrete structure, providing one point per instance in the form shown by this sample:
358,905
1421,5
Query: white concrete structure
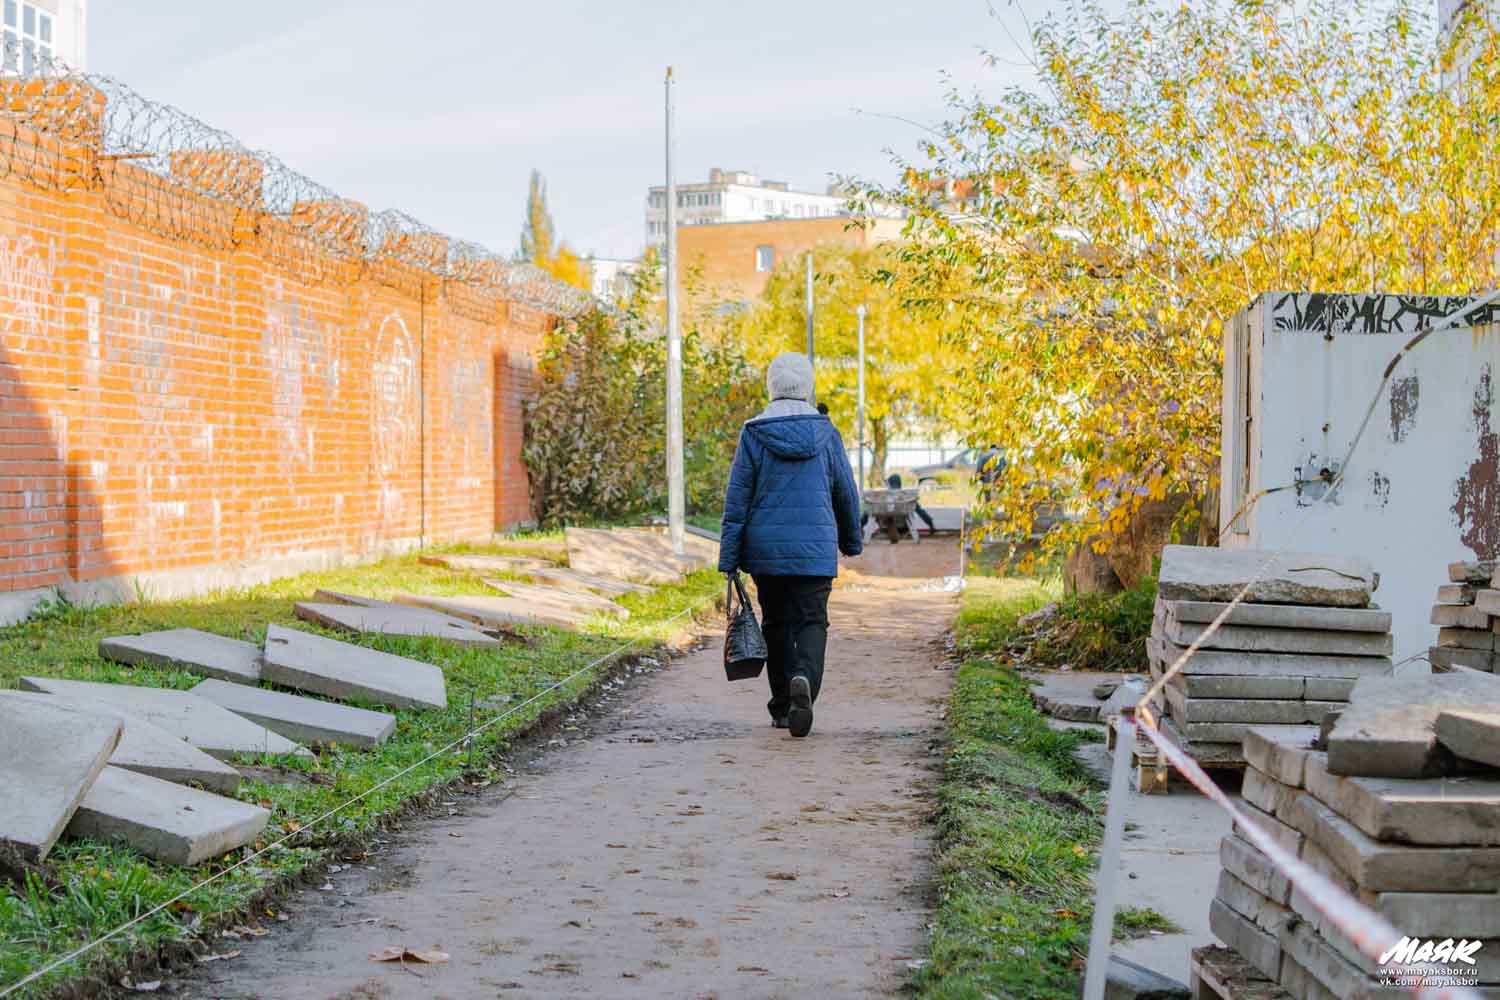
41,30
1421,491
737,196
611,278
1450,12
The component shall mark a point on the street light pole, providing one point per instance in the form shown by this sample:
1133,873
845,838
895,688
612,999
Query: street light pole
676,494
811,358
859,414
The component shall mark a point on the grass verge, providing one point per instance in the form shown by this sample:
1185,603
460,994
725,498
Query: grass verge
1019,824
86,889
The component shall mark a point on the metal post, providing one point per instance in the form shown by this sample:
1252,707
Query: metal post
859,410
811,357
676,494
1102,931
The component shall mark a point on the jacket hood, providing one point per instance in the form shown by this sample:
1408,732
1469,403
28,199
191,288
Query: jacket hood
795,437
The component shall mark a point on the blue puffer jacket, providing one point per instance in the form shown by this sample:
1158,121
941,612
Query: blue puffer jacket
792,505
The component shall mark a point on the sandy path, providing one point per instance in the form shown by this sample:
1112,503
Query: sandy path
676,847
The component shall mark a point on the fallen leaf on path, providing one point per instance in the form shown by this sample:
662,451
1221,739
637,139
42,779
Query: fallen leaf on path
456,835
617,847
203,959
751,968
839,893
782,876
399,953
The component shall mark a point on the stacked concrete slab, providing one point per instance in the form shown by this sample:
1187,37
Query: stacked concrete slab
1467,614
1424,852
1288,655
642,555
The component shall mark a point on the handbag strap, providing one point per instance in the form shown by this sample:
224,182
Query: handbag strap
739,585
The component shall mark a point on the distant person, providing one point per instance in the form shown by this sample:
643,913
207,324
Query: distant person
790,509
991,463
894,482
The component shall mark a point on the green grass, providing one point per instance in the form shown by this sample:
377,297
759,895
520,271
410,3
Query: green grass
1019,824
1089,631
86,889
1139,921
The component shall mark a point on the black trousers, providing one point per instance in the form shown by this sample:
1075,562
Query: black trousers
794,618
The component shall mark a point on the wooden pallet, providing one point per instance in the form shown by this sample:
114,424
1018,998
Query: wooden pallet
1218,973
1152,774
1150,771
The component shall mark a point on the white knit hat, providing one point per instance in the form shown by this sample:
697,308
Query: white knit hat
790,377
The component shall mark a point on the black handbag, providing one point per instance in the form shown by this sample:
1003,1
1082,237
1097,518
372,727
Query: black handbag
744,644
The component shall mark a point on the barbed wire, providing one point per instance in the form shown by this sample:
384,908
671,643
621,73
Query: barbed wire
172,174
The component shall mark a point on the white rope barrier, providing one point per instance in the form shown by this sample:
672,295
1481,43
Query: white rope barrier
85,949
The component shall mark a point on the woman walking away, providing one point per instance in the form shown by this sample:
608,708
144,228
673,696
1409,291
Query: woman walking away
790,509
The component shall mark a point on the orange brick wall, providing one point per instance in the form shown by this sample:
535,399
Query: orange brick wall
187,412
716,262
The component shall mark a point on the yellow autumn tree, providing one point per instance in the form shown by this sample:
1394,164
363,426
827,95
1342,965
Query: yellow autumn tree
1175,160
909,358
539,242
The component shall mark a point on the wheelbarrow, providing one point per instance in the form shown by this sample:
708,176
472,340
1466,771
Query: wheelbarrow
892,510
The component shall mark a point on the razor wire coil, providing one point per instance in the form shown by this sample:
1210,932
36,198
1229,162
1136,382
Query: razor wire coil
171,174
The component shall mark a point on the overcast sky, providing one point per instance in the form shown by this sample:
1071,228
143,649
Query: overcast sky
443,109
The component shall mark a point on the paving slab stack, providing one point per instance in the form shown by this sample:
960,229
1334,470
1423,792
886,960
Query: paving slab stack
1399,806
1467,614
1289,654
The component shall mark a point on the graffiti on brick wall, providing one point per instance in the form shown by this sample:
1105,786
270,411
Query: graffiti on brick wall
393,414
284,344
469,408
25,278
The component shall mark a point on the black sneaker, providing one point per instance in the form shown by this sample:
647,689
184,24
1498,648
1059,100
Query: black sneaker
779,722
800,717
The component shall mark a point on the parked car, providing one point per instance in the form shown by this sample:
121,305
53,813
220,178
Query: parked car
962,462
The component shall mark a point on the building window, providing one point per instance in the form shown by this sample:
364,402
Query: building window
765,257
27,38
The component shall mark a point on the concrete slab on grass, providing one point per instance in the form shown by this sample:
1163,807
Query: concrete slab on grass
202,653
1472,735
1387,729
588,604
394,620
308,662
50,756
1195,573
203,724
641,557
148,749
696,546
498,612
572,579
338,597
171,823
486,563
1282,616
307,720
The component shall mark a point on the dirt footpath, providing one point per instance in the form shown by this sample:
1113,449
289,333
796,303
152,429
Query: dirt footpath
677,846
